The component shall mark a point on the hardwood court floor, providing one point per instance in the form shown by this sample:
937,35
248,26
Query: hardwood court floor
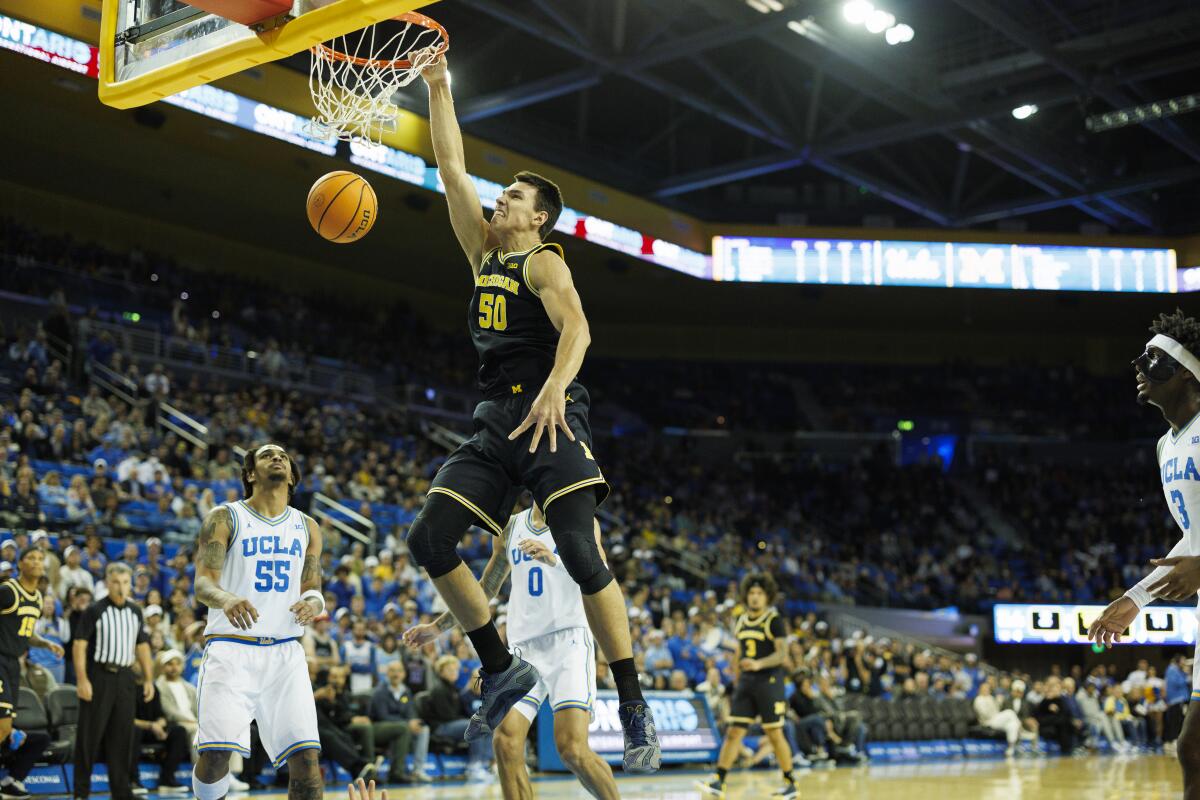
1149,777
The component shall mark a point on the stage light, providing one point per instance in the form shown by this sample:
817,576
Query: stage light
857,11
898,34
879,20
1024,112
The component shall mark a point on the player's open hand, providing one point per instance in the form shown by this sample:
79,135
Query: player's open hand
1113,621
420,635
547,414
365,791
538,551
305,612
1182,582
241,613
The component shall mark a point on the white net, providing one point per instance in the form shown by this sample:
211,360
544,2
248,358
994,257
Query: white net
353,77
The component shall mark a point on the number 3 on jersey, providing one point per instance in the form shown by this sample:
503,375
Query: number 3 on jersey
493,311
1177,498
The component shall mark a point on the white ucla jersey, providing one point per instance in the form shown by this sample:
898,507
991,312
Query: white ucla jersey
544,599
1179,467
263,565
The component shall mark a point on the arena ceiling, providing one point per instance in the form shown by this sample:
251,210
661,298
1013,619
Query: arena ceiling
789,113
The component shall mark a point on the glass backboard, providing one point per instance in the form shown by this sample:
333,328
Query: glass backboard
150,49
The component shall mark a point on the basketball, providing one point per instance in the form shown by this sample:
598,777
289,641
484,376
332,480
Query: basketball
342,207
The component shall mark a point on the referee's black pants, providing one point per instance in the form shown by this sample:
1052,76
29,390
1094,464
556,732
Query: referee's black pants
106,719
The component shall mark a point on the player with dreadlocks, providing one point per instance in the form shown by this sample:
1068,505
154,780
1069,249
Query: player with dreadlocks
1168,377
759,691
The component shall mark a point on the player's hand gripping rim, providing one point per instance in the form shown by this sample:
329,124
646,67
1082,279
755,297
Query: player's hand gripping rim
1113,621
548,413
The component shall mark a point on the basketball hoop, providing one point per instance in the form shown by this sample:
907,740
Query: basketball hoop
353,77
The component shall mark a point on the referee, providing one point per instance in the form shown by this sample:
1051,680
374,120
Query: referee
110,636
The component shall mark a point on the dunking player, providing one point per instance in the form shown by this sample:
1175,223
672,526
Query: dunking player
258,569
1167,377
547,626
528,325
20,609
759,691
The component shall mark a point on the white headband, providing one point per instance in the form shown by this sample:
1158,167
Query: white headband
1176,351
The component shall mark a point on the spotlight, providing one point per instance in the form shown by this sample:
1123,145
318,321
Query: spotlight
879,20
857,11
1025,111
898,34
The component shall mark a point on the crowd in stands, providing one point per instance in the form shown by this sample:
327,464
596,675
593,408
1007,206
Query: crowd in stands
294,328
107,483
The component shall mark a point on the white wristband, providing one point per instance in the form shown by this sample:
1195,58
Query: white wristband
320,598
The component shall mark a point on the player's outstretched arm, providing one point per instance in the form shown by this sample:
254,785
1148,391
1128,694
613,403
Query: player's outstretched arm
466,212
312,602
550,278
211,545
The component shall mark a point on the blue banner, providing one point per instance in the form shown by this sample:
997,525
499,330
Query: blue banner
686,730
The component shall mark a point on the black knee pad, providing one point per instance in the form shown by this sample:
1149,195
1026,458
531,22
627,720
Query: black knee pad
434,535
571,520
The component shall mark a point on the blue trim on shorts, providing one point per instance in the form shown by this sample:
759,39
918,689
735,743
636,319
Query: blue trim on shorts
288,752
230,746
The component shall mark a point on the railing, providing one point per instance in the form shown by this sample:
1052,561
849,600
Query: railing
325,507
185,426
113,382
150,346
60,349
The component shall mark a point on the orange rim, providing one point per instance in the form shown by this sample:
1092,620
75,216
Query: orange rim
412,17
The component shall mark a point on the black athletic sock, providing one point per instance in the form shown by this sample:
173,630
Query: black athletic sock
787,778
492,654
721,773
625,676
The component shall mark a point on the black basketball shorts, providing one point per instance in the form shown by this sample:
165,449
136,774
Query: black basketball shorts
487,472
759,694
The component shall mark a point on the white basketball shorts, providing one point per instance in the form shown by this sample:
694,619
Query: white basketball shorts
566,661
244,680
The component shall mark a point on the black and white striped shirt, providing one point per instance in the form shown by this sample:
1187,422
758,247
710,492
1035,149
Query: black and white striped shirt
112,632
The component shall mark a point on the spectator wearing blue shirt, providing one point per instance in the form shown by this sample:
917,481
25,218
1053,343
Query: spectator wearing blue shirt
342,585
1179,691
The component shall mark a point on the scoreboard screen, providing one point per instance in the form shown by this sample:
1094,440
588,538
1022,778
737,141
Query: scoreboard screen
861,262
1015,623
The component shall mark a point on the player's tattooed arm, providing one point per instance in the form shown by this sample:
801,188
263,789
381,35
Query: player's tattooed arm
493,577
211,545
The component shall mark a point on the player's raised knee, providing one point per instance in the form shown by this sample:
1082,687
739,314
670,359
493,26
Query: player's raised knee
433,551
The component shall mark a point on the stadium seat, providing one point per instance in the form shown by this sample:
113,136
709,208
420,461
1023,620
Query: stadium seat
62,704
33,718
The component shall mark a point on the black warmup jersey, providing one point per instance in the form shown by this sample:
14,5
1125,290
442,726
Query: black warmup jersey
759,695
19,612
756,635
509,326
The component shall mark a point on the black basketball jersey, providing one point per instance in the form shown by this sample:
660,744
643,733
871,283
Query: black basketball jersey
756,635
513,335
19,613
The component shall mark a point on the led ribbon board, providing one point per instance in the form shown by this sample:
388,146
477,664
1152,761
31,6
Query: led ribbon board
862,262
1016,623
